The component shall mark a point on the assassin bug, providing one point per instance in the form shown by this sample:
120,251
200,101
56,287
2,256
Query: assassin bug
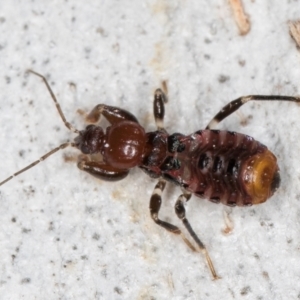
222,166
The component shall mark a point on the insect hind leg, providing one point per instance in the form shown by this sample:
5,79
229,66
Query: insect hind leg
234,105
155,204
180,212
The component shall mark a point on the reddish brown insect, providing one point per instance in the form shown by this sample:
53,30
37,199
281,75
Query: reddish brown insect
222,166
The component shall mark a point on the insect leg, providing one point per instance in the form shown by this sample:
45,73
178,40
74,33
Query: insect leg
112,114
180,212
236,104
160,99
155,204
227,220
100,170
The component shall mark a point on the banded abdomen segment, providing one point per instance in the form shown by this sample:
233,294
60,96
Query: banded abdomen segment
228,167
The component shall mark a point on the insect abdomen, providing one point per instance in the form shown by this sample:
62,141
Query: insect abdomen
227,167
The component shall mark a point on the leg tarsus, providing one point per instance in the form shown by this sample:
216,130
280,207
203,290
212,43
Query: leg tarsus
228,221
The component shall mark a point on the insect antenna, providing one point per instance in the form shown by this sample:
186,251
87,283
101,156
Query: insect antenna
67,124
60,147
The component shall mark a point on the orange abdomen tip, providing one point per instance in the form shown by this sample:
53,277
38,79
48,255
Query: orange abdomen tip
261,177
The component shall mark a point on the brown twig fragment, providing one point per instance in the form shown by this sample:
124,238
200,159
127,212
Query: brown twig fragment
295,31
240,17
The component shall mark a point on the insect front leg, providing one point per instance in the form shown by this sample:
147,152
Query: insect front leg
180,212
100,170
112,114
234,105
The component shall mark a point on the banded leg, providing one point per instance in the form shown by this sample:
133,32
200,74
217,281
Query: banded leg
180,212
155,204
160,99
236,104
